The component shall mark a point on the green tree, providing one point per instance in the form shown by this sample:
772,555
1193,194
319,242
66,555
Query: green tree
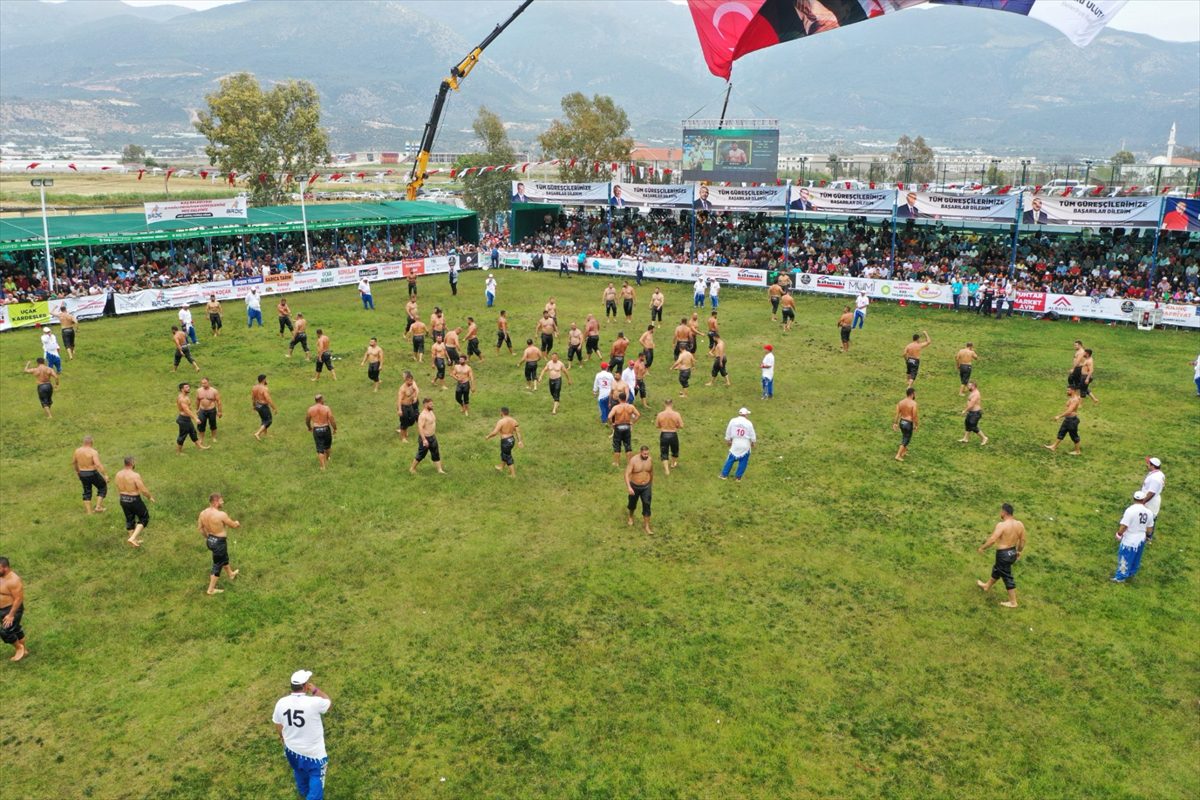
995,177
907,150
488,194
1122,157
591,130
264,135
133,154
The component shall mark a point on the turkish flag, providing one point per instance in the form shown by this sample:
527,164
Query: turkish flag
336,176
1096,192
170,172
204,174
313,178
1004,189
1066,192
104,168
232,176
72,167
360,175
262,177
141,172
33,165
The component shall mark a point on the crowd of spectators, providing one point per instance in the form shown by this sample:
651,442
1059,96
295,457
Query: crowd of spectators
1085,263
123,268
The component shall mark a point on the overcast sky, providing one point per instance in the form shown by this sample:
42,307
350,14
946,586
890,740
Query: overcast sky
1174,20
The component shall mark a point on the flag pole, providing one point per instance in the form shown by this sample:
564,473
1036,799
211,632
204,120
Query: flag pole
1012,263
1162,209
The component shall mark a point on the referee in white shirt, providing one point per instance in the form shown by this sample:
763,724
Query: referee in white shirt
297,718
1152,485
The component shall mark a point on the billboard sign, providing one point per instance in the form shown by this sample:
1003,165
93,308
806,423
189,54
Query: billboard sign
749,155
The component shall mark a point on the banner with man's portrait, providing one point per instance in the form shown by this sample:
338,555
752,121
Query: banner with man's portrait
868,202
980,207
1092,212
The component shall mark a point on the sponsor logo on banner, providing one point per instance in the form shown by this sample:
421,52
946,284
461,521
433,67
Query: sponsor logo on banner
929,292
165,211
1127,306
368,273
903,290
805,278
282,277
306,280
391,270
1030,301
753,276
1062,303
328,277
347,272
414,266
1178,313
861,285
830,283
247,281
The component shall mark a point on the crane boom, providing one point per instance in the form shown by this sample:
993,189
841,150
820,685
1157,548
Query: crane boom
459,71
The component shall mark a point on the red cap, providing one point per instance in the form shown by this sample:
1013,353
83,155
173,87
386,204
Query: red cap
767,347
603,365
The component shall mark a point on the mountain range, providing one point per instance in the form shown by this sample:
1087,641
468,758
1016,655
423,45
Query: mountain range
961,77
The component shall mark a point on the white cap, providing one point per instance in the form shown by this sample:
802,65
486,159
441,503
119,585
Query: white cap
1154,462
46,329
1139,495
745,412
300,677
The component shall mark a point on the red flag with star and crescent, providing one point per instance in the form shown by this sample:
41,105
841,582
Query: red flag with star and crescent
729,29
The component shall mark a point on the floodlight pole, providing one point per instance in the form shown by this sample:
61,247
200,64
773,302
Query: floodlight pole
41,184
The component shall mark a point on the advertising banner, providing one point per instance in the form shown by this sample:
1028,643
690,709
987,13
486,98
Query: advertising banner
650,195
166,210
1181,214
1092,212
981,207
573,194
23,315
870,202
740,198
651,270
1114,309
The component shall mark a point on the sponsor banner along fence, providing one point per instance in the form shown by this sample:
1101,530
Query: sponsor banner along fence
651,270
1115,309
168,210
983,207
16,315
560,193
1093,212
652,195
1181,214
740,198
872,202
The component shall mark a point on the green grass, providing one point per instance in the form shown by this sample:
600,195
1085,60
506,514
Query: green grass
812,632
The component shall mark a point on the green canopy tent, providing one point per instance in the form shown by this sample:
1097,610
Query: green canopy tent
25,233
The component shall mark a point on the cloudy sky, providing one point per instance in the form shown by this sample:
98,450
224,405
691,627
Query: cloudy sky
1173,20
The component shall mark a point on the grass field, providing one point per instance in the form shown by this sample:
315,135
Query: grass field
813,632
